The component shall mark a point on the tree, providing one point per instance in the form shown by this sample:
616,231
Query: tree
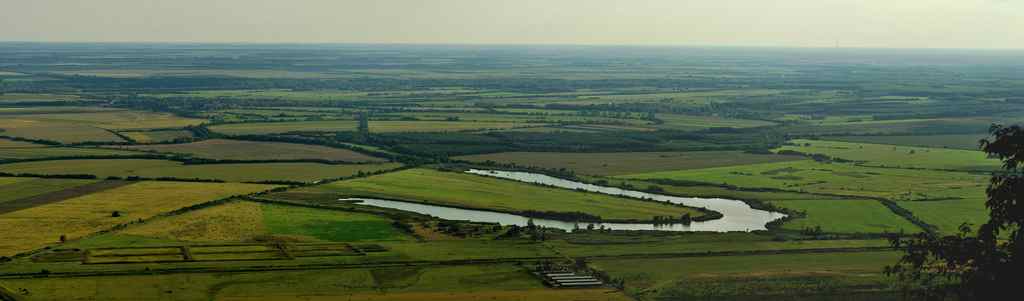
987,265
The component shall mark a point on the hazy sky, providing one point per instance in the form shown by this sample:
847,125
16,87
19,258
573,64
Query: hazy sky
814,23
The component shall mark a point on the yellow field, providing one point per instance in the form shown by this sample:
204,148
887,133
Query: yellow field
88,125
37,227
157,136
236,221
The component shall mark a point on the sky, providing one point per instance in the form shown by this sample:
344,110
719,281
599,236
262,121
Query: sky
769,23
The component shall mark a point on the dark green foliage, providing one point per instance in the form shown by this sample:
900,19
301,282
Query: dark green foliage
984,265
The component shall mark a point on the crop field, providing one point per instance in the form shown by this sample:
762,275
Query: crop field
476,282
846,216
770,276
837,179
235,221
10,149
326,225
897,156
76,125
689,122
21,193
610,164
965,141
16,188
597,245
223,149
948,215
242,172
156,136
64,132
74,218
471,191
375,126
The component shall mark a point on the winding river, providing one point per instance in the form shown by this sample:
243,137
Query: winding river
737,215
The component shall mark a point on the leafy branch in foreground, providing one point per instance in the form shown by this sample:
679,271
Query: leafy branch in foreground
987,265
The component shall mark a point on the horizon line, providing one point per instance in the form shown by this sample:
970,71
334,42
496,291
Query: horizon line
242,43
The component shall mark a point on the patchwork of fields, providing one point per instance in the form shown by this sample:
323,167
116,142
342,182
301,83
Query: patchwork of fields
241,172
221,149
220,172
76,217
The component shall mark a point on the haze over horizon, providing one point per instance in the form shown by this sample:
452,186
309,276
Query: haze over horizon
981,24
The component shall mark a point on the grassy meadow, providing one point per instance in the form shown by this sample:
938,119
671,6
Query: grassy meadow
893,156
611,164
837,179
787,276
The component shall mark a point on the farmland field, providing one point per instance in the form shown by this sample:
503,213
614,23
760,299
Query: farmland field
243,172
10,149
138,171
771,276
896,156
846,216
838,179
157,136
465,190
375,126
605,164
249,150
483,282
965,142
242,221
16,188
74,218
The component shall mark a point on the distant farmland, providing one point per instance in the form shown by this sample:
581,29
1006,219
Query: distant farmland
252,150
243,172
605,164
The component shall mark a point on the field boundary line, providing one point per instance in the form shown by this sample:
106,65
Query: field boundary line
61,195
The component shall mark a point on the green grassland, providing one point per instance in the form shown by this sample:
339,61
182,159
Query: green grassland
327,225
350,126
787,276
589,244
471,282
465,190
605,164
254,172
689,122
223,149
964,141
948,215
846,216
838,179
896,156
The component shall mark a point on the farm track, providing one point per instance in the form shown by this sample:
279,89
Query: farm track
424,263
57,196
